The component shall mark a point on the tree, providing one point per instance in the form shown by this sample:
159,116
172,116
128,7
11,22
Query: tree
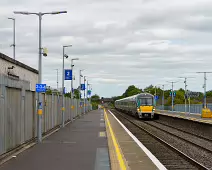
48,91
150,89
76,93
131,90
68,95
95,98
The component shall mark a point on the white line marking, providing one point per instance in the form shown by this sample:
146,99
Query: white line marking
149,154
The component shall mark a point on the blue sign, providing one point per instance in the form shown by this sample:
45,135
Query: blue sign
40,88
82,86
89,92
156,97
68,74
174,94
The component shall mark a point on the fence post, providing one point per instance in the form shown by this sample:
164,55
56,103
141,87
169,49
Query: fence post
2,118
52,115
23,94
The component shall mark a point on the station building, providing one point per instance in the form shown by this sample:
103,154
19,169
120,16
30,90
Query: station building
16,74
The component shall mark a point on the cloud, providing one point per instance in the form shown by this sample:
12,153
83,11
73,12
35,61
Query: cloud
119,43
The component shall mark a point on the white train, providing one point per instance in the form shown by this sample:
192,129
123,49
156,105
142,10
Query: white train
140,105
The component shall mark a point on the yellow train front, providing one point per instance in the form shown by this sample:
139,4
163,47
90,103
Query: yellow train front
140,105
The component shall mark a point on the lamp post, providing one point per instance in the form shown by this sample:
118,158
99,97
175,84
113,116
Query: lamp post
80,75
186,95
13,45
172,82
88,95
63,88
204,86
72,67
39,14
155,96
87,90
162,94
57,78
84,93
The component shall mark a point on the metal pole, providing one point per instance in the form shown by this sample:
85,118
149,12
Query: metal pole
172,97
87,96
87,91
39,106
205,95
189,105
163,98
14,39
79,84
63,90
84,94
185,94
72,80
57,79
205,90
155,97
39,128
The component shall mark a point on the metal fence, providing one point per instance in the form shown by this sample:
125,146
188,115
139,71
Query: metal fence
18,115
194,108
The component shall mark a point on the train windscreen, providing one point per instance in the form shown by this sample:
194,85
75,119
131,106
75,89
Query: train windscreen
145,101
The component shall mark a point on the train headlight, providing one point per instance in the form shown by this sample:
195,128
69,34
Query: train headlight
138,109
153,109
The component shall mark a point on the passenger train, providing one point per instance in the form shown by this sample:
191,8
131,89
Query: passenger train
140,105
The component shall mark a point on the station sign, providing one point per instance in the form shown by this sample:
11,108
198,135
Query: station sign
156,97
68,74
89,92
82,86
40,88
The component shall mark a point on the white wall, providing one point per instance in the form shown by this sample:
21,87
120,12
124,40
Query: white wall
23,73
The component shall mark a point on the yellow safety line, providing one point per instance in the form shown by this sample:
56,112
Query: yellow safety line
118,152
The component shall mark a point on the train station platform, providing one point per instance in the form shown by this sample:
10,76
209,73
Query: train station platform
81,145
186,116
95,141
126,151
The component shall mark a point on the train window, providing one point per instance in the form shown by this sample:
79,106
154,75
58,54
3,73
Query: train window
145,101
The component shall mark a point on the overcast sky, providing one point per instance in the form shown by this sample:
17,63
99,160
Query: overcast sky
118,42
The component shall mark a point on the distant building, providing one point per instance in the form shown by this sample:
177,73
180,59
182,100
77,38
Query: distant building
16,74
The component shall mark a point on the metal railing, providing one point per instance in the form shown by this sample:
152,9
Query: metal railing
194,108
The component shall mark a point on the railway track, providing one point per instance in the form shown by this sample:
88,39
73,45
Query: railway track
193,134
164,145
196,140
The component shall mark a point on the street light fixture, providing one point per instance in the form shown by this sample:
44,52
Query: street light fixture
39,14
13,45
63,88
